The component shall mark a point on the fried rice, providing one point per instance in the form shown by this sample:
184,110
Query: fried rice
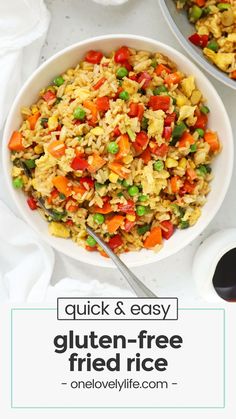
215,23
119,142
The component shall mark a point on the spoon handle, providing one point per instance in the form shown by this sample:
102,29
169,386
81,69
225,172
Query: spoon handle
138,287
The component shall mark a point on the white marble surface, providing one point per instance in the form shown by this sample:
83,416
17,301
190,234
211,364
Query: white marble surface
75,20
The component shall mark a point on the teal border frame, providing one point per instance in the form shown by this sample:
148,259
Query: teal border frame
119,407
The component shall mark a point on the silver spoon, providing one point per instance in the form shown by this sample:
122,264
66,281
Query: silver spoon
138,287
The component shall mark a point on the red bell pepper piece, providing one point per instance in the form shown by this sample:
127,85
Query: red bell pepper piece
129,225
159,102
103,103
49,96
146,155
78,163
167,132
201,122
169,119
199,40
141,141
127,208
161,150
122,55
32,203
167,229
93,57
146,77
87,180
116,132
115,241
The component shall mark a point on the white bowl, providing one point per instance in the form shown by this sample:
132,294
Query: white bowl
219,121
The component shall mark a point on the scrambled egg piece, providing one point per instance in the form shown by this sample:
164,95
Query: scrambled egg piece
186,112
188,85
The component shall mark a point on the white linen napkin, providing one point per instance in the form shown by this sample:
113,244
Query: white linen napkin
26,262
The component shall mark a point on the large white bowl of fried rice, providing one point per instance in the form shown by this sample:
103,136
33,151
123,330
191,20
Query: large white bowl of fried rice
126,134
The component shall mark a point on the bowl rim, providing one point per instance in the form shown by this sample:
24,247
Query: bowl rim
189,48
104,262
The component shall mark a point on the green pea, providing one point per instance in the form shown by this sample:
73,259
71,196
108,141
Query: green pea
141,210
158,165
159,89
183,224
213,45
204,109
143,198
223,6
91,242
113,147
124,95
58,81
195,13
98,218
79,113
143,229
200,132
133,190
17,183
144,124
193,148
30,163
125,183
122,72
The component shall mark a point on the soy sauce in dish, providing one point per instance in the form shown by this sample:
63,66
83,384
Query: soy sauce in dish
224,279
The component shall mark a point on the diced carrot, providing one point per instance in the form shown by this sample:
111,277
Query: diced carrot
191,173
95,163
114,223
63,185
124,146
160,68
212,139
118,169
91,249
78,190
32,119
173,78
15,143
57,148
93,109
103,253
73,208
186,140
106,209
200,3
233,75
174,183
154,238
187,188
146,155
